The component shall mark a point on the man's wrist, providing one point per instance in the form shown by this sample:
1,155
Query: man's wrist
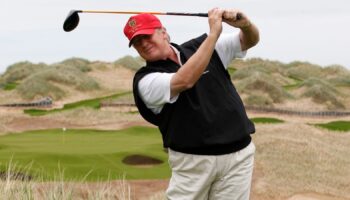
246,26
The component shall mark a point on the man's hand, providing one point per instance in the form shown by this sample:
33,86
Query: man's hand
215,21
236,18
249,35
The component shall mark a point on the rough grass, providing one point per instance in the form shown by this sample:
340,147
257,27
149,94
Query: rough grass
34,88
77,63
84,154
265,65
303,70
341,80
57,188
258,99
40,80
262,83
21,70
294,158
130,62
45,82
322,92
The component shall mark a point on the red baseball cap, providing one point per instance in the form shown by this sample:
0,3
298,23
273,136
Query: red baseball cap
141,24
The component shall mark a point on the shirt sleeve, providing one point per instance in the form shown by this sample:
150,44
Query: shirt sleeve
154,90
228,48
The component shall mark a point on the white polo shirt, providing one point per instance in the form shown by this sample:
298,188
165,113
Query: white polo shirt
154,88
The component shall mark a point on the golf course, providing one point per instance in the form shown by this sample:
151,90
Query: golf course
91,143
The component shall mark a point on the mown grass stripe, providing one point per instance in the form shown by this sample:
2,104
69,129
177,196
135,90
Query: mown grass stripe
266,120
336,125
92,103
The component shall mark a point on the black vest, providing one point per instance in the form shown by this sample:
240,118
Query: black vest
209,118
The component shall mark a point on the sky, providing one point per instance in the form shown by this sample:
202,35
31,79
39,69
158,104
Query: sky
315,31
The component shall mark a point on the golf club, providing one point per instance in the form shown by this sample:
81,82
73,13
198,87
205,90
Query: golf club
72,19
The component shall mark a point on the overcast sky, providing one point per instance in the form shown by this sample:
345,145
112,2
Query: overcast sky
317,31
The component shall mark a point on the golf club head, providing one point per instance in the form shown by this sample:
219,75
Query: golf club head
71,21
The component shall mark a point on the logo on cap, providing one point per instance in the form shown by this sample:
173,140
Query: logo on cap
132,24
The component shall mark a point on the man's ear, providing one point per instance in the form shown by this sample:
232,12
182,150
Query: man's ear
165,34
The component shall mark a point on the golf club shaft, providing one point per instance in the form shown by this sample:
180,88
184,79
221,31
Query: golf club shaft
153,13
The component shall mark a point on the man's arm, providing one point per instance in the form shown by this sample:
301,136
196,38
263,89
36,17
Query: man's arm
191,71
249,34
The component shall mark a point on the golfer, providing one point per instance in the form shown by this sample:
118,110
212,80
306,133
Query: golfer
187,92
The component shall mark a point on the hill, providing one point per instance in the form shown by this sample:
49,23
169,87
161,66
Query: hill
71,80
266,83
293,85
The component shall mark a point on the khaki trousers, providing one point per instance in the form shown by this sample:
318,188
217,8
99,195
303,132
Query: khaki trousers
223,177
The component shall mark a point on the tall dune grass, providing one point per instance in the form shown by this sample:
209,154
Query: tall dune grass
21,70
130,62
46,82
261,82
11,187
322,92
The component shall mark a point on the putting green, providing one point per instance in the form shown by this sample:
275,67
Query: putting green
74,154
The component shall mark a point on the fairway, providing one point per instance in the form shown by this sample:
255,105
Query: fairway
74,154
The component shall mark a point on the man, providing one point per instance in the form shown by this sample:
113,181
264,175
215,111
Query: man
187,92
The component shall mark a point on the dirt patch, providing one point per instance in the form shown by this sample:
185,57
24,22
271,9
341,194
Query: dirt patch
313,196
141,160
144,189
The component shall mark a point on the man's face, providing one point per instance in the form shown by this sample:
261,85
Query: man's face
152,47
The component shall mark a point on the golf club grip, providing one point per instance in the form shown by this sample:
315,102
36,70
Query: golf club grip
188,14
238,17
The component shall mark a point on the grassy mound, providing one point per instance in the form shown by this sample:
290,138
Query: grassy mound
261,83
21,70
46,82
17,72
343,80
33,88
303,70
323,93
130,62
76,63
94,154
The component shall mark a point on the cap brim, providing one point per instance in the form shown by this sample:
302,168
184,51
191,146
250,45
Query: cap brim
141,32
